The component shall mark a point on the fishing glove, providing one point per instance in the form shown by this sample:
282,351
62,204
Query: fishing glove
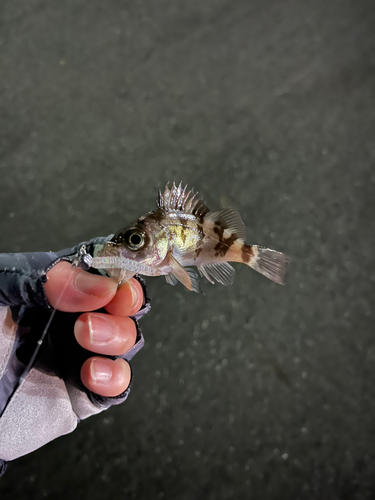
51,400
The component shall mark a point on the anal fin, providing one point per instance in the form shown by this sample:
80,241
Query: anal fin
222,272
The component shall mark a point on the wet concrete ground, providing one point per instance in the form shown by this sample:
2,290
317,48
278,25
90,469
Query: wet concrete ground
255,391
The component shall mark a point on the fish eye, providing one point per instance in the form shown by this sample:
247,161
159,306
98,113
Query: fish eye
134,239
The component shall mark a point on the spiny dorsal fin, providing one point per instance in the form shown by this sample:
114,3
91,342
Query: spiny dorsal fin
222,272
181,199
231,220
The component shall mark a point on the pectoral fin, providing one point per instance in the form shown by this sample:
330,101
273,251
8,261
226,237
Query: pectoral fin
179,272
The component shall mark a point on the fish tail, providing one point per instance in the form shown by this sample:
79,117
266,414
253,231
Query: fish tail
268,262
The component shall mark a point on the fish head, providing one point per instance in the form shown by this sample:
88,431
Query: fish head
144,241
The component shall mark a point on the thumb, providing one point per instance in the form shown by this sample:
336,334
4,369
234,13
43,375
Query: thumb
70,289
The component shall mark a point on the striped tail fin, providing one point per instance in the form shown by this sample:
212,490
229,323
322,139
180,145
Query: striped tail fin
268,262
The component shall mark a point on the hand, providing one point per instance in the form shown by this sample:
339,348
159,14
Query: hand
110,334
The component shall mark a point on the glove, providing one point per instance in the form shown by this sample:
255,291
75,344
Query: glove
50,399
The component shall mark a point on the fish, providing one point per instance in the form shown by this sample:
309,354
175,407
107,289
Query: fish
183,234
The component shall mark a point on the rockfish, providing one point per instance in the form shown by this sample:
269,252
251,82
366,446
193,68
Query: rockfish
182,233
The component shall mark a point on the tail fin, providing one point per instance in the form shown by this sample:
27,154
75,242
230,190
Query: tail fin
270,263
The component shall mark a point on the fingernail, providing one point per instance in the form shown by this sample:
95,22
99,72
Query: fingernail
134,292
100,330
100,371
98,286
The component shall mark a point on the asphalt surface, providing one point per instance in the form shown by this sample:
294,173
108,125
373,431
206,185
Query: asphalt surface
254,391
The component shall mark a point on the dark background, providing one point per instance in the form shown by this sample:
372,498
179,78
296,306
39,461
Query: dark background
255,391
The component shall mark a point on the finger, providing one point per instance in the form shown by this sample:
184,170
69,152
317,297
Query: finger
105,334
128,299
106,377
83,292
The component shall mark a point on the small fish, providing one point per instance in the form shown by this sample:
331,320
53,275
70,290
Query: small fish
182,233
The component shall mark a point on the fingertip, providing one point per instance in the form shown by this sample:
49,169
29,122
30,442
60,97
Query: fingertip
105,334
128,299
106,377
71,289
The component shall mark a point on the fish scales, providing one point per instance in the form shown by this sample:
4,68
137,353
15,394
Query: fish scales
183,233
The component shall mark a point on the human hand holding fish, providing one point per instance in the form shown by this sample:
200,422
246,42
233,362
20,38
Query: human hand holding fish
51,379
111,334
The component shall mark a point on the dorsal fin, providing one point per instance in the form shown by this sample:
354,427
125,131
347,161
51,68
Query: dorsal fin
230,219
182,200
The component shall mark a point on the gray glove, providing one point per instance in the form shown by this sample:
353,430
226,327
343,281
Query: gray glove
51,400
